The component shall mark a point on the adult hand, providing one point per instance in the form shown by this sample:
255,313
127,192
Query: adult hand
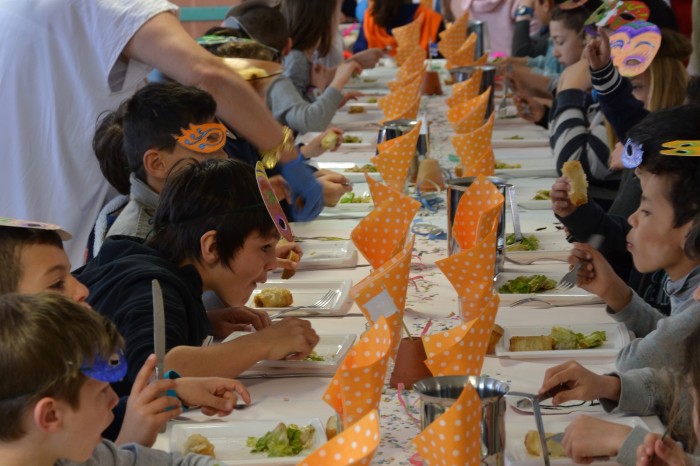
216,396
334,186
282,252
597,51
588,437
657,452
315,147
291,338
576,76
147,410
529,108
236,319
343,73
579,383
596,276
368,58
559,194
280,188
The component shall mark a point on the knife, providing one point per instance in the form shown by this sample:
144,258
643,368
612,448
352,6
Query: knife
158,328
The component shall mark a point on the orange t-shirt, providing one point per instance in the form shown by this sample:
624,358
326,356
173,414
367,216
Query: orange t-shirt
378,37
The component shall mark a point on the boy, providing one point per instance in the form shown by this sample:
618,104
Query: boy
212,232
34,261
62,357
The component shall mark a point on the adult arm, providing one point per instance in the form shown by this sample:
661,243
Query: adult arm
163,43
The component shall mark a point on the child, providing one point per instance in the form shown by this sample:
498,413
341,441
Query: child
212,232
657,240
537,51
312,25
34,261
62,357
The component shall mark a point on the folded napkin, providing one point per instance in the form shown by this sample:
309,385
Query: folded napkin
452,38
383,231
483,60
405,142
395,157
400,104
408,35
407,85
403,52
465,55
354,446
381,192
415,61
466,90
454,437
473,145
473,164
461,350
470,115
477,213
356,388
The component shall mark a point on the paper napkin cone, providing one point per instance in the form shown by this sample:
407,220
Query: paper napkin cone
483,60
356,387
393,168
409,34
477,213
382,192
475,143
466,90
478,164
452,38
400,104
403,52
471,266
454,437
408,85
461,350
383,231
465,56
415,61
405,142
474,108
354,446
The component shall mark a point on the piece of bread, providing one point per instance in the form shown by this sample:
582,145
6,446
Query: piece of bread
332,426
252,73
356,109
273,297
496,334
533,343
578,184
329,140
200,445
289,273
534,446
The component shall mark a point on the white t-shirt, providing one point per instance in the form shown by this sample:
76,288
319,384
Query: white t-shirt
60,72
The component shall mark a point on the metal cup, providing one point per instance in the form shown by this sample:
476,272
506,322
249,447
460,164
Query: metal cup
488,78
478,27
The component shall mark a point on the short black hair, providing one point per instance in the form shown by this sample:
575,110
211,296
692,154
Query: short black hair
220,195
147,120
575,18
663,126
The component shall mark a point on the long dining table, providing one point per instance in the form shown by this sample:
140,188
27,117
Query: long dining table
431,297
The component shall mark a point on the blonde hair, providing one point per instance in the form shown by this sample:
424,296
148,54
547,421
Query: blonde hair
668,78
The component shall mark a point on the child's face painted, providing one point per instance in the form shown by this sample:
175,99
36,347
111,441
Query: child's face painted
653,241
568,44
46,268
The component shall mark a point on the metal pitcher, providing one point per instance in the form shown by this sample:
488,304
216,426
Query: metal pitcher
395,128
437,394
488,78
482,38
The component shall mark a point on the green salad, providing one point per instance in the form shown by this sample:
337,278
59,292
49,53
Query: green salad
352,198
283,440
565,338
314,357
525,284
529,243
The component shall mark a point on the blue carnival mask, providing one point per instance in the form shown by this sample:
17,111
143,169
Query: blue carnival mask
109,370
632,154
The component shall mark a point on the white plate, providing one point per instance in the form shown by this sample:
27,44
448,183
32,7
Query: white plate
552,245
571,297
342,118
230,438
327,254
332,348
534,167
501,138
526,189
547,408
340,167
616,334
305,293
370,107
515,447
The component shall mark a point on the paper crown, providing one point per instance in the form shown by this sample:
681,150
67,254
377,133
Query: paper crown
32,225
634,46
272,204
681,148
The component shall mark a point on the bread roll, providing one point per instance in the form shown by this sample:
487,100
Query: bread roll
496,334
533,343
289,273
534,447
273,297
200,445
332,426
578,185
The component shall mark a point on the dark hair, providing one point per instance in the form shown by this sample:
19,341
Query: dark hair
575,18
661,14
663,126
264,23
45,339
12,241
233,44
692,91
148,120
309,23
221,195
385,12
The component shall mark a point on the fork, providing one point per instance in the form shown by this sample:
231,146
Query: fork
569,280
321,303
531,261
502,111
544,303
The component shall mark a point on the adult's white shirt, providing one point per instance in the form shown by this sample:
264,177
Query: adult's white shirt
61,70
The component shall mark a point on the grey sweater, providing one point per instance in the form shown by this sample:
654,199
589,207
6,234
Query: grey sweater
660,339
137,217
108,454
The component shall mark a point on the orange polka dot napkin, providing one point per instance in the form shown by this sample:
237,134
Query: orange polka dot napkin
354,446
415,61
356,387
461,350
454,437
477,212
475,143
381,192
403,52
395,157
483,60
465,55
470,115
408,84
398,105
474,164
409,34
383,231
452,38
466,90
405,142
